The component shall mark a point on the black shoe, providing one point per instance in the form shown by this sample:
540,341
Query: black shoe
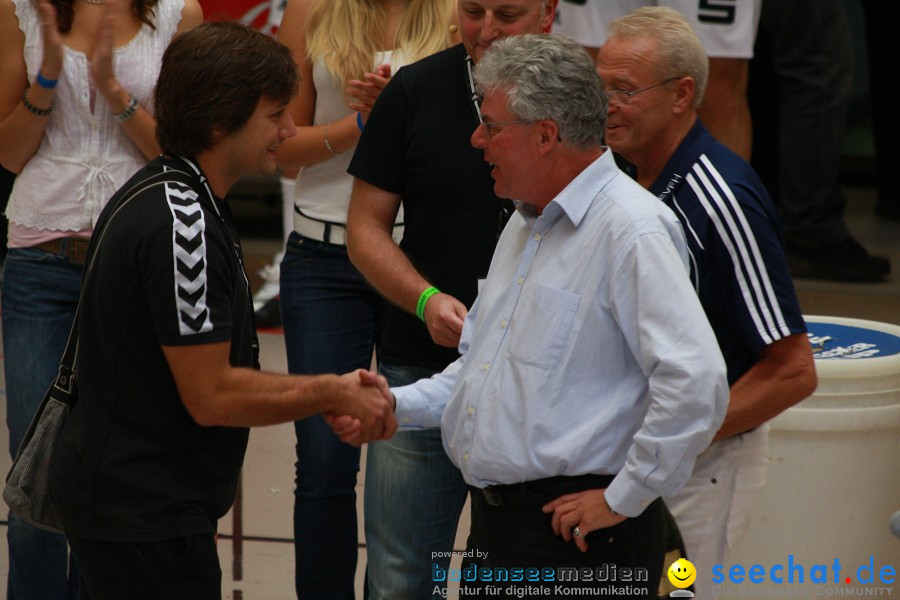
844,261
269,316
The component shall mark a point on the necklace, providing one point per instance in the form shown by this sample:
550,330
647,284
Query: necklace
474,95
506,206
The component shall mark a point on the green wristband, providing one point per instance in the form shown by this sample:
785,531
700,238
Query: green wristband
423,299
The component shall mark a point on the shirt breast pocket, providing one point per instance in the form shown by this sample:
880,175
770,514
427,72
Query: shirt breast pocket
542,325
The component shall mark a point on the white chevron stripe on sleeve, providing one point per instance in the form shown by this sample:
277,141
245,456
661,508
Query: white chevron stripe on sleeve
189,259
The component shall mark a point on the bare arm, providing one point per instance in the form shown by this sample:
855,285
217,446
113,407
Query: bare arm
17,122
141,127
725,111
308,146
369,223
217,394
784,375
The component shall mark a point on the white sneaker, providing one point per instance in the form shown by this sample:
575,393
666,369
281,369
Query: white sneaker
270,287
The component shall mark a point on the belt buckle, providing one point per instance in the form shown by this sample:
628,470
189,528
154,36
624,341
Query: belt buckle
76,250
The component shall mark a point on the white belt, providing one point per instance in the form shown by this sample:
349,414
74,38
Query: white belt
337,232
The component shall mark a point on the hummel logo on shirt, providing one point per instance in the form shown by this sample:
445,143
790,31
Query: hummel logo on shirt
189,253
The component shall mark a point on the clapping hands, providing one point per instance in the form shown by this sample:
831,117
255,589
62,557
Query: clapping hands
363,93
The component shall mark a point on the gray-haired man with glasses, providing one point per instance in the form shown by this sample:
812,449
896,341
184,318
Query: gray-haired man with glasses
415,153
589,378
738,265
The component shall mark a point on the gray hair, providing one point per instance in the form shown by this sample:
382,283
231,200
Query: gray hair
678,48
548,77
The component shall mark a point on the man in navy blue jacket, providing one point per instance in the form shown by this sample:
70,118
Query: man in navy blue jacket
655,71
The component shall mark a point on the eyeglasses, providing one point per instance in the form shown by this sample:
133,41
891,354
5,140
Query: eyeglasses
491,126
624,96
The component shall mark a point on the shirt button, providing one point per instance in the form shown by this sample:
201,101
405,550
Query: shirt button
466,457
486,366
502,324
406,419
471,410
537,237
520,280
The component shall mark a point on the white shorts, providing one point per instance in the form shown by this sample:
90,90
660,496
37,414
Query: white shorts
727,28
713,510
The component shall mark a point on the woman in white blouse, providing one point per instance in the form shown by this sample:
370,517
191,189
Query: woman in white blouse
76,121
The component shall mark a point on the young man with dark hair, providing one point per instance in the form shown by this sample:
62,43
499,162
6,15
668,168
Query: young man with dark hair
150,456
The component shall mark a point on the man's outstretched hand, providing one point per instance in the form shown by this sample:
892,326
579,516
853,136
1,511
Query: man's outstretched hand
365,409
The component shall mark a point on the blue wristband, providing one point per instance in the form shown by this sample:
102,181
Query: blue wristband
359,121
44,82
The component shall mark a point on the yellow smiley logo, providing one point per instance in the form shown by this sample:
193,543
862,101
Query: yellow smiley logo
682,573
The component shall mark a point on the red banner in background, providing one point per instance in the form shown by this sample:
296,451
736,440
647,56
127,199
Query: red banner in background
264,15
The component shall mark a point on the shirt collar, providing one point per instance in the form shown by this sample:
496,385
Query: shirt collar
689,150
576,198
192,167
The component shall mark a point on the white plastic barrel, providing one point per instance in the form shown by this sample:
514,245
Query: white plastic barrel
834,475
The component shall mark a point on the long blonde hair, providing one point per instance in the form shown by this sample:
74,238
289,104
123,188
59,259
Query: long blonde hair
346,34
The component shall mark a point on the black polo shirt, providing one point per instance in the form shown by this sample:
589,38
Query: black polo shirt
131,464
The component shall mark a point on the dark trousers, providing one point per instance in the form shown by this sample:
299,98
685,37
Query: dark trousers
518,535
183,568
800,85
881,43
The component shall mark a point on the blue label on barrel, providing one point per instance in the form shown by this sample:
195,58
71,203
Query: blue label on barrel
833,341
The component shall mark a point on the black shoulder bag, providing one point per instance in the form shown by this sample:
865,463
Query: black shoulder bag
27,484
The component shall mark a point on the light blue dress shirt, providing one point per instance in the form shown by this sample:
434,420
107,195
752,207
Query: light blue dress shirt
587,351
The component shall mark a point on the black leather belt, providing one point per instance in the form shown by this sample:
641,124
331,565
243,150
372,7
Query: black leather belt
541,491
73,248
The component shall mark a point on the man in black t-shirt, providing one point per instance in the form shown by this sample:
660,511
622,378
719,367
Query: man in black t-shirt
415,150
149,457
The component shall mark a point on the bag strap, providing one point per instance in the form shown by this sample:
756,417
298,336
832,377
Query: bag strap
65,379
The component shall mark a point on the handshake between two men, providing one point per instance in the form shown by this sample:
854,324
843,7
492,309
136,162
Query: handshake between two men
364,409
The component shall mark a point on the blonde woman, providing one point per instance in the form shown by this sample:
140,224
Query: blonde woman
347,51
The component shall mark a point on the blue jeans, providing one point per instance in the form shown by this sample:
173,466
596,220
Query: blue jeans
332,321
414,496
39,297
